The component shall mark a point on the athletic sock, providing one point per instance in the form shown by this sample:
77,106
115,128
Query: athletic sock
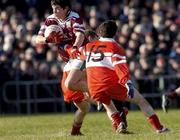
76,128
116,119
155,123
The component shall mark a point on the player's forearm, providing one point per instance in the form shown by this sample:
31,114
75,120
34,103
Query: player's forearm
122,72
79,39
40,40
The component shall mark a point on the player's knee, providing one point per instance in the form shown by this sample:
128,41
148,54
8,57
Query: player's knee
85,108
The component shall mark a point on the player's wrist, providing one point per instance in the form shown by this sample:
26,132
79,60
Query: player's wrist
130,89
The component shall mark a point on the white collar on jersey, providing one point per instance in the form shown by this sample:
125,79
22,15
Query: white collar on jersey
106,39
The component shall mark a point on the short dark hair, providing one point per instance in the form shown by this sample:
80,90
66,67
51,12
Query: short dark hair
107,29
62,3
90,33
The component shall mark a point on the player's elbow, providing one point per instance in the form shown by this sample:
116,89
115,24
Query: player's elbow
84,107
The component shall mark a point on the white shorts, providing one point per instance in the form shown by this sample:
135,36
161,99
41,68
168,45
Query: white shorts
73,64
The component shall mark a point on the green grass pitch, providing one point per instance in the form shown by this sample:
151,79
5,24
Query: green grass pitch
96,127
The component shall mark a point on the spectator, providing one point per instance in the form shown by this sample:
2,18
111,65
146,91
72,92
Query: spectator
50,57
160,67
5,74
26,70
43,71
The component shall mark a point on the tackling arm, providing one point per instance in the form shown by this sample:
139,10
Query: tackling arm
122,71
121,67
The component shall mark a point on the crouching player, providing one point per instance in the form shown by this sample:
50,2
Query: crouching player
108,78
93,36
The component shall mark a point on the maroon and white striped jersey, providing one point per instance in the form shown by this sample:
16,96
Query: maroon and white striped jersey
73,23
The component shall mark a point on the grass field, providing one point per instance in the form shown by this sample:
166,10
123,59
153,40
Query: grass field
96,127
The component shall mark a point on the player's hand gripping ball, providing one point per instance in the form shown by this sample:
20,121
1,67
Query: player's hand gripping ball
53,34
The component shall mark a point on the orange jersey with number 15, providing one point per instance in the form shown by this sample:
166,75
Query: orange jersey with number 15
106,64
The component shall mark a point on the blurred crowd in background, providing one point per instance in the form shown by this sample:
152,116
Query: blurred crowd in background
149,31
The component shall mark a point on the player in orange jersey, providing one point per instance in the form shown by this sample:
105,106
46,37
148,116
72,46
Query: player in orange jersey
109,78
92,36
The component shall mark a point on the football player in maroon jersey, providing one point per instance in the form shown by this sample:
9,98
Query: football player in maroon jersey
68,44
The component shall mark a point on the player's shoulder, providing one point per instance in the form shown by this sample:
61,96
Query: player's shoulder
104,39
109,41
52,16
93,43
112,44
74,17
73,14
51,19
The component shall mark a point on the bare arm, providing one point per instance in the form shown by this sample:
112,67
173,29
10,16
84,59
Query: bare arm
79,39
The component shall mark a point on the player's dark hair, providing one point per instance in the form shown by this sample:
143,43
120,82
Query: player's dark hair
62,3
91,33
108,29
